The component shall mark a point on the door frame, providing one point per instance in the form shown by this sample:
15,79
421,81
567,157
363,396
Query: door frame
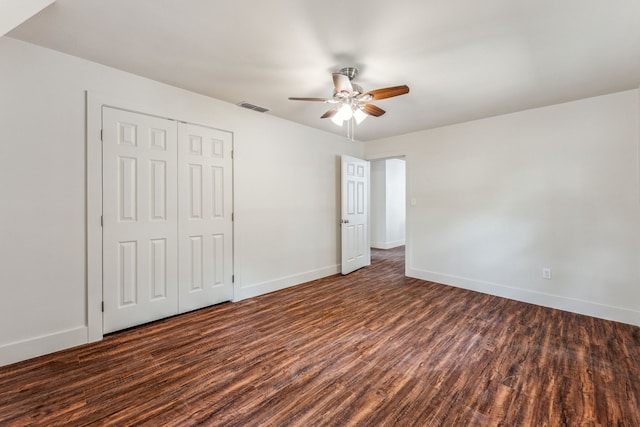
94,103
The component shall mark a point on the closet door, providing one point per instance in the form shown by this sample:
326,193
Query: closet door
140,245
204,212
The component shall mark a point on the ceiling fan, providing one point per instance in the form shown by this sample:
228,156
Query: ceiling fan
352,102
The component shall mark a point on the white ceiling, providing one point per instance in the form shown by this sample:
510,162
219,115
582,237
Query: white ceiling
462,59
15,12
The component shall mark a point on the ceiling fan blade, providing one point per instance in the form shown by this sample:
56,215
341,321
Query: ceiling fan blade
330,113
342,83
387,92
310,99
373,110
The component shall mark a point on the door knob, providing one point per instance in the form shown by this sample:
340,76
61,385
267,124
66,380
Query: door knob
345,221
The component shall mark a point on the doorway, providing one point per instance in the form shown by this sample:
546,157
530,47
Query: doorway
388,203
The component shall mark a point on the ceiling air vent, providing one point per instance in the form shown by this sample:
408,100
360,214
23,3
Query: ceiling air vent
253,107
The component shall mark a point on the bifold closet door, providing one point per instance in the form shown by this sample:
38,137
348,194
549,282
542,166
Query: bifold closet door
204,212
140,224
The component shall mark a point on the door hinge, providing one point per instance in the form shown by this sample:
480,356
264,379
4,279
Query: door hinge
102,306
232,154
101,221
232,218
101,135
233,278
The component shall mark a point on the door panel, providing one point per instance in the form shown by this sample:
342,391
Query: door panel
139,219
355,216
205,208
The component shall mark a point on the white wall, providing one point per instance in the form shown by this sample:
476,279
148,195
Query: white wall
285,182
499,199
388,203
378,218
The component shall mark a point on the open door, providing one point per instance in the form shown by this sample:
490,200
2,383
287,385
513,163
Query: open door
355,214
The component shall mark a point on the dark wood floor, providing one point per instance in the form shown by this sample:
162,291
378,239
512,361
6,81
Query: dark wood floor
371,349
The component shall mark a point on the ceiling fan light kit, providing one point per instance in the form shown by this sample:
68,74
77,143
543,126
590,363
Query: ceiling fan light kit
353,103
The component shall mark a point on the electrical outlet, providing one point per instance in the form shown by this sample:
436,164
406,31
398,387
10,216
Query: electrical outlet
546,273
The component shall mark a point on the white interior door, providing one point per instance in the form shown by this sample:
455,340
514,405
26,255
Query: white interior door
140,271
356,252
205,222
167,218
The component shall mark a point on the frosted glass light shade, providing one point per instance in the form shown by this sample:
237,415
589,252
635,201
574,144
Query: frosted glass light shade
359,115
345,112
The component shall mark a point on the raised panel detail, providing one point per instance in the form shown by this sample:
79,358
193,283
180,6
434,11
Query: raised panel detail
351,233
360,171
351,196
207,148
212,148
359,250
196,265
195,145
217,188
350,169
218,259
127,134
127,185
360,197
158,259
195,191
158,139
128,273
218,148
158,190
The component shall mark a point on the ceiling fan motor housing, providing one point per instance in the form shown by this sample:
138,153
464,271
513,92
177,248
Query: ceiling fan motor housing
350,72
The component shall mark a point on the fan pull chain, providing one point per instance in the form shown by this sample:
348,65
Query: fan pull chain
351,129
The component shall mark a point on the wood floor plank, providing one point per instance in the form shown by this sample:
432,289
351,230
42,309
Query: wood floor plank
373,348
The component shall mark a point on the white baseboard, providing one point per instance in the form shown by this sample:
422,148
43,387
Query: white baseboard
573,305
34,347
253,290
387,245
